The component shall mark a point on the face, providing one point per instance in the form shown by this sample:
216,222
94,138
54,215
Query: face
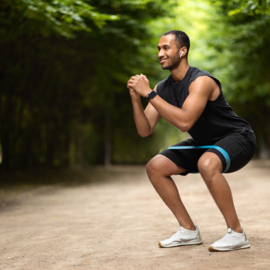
168,52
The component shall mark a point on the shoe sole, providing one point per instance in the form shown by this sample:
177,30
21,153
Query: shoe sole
245,245
181,244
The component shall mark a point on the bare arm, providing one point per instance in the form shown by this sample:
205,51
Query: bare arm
200,91
145,120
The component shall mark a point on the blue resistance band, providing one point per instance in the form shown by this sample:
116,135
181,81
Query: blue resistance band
222,151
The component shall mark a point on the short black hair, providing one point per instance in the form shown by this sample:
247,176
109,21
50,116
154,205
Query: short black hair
180,37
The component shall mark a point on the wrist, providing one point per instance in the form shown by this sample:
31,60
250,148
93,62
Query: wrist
150,95
136,98
147,92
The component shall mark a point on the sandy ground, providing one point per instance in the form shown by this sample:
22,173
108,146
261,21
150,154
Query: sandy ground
117,221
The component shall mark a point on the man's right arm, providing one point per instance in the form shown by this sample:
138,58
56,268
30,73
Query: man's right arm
145,120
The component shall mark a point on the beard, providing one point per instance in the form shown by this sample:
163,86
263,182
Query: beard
173,63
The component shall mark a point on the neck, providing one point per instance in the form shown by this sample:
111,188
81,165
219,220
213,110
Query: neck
179,73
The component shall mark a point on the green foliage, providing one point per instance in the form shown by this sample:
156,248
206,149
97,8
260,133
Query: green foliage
243,60
60,98
251,7
231,40
65,64
63,17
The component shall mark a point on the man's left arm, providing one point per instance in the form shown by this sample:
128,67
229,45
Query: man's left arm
200,92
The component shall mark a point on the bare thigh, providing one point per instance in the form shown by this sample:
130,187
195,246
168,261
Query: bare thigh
163,166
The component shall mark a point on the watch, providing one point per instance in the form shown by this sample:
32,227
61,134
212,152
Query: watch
150,95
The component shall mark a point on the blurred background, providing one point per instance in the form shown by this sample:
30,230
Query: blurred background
65,65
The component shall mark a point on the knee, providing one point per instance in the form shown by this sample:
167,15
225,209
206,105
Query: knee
155,167
209,167
152,168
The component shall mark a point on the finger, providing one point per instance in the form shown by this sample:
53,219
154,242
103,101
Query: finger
130,85
131,81
143,76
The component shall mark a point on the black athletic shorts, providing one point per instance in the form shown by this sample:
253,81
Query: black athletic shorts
234,151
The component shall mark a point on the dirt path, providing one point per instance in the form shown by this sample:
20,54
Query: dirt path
117,222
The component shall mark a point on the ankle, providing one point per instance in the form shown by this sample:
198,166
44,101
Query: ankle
237,229
189,227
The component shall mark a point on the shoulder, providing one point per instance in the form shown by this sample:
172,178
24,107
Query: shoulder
203,82
196,72
205,86
202,77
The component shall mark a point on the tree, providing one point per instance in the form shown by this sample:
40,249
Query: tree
64,70
243,61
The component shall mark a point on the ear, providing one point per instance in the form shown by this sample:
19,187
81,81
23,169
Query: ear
183,51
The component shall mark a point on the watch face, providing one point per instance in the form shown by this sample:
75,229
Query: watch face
151,95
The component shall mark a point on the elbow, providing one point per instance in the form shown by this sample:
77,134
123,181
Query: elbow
144,134
185,127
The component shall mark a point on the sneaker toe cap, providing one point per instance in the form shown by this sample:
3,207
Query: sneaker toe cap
165,242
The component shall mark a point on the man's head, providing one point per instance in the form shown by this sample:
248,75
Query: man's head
173,46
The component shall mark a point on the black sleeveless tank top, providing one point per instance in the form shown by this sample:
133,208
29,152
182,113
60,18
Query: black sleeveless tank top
218,118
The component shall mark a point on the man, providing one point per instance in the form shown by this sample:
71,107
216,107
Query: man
192,100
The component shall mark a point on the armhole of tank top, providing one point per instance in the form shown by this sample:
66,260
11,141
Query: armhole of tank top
216,81
220,89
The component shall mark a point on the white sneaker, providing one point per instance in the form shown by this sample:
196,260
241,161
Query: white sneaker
182,238
231,241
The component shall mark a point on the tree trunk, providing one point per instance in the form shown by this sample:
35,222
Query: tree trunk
79,145
5,151
107,135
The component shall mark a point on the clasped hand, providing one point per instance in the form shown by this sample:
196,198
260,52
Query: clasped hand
139,84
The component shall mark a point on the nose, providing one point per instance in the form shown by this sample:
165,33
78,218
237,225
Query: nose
160,53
